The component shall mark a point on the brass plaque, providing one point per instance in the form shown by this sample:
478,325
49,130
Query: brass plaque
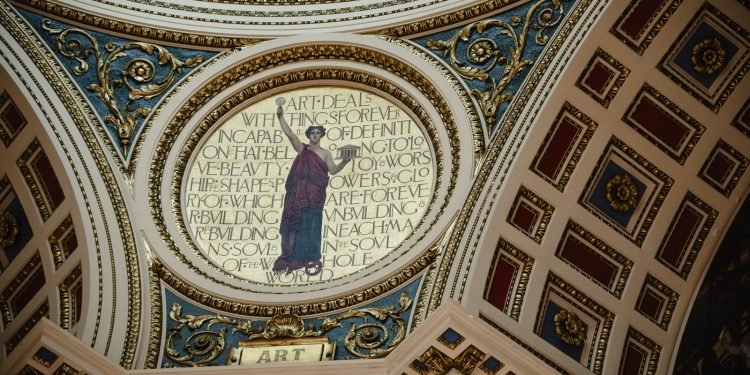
286,350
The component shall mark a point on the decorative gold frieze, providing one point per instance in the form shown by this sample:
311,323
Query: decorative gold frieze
61,233
190,12
31,266
134,30
67,298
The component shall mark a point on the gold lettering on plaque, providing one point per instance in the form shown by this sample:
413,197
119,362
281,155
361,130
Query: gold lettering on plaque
273,198
285,350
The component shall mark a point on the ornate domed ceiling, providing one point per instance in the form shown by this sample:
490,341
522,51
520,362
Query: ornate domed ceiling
409,187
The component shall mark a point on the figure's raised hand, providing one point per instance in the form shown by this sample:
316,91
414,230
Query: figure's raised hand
280,112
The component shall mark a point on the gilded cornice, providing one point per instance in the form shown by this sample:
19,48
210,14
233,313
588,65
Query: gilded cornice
136,31
162,35
454,18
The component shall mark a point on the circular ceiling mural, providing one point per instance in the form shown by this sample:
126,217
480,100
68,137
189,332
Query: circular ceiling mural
317,171
307,186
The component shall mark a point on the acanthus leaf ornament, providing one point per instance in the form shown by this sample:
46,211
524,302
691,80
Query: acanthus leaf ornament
363,340
506,49
139,76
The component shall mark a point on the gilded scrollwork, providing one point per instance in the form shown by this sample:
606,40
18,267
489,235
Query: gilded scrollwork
440,363
369,339
137,76
492,51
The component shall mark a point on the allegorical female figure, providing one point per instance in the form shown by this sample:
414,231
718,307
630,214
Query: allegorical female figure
302,218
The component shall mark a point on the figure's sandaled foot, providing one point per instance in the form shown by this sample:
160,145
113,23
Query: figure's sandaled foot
313,267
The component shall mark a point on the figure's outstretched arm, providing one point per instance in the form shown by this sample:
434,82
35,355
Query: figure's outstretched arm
334,168
296,143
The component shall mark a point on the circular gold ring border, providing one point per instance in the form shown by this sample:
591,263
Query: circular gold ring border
275,83
271,60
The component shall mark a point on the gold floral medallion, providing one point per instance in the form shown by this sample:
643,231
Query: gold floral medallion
708,56
569,328
622,193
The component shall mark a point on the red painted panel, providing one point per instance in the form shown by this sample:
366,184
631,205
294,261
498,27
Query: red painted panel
525,217
719,168
13,119
659,123
560,144
650,304
46,174
687,225
589,261
745,117
636,23
502,281
599,77
69,243
33,284
633,361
